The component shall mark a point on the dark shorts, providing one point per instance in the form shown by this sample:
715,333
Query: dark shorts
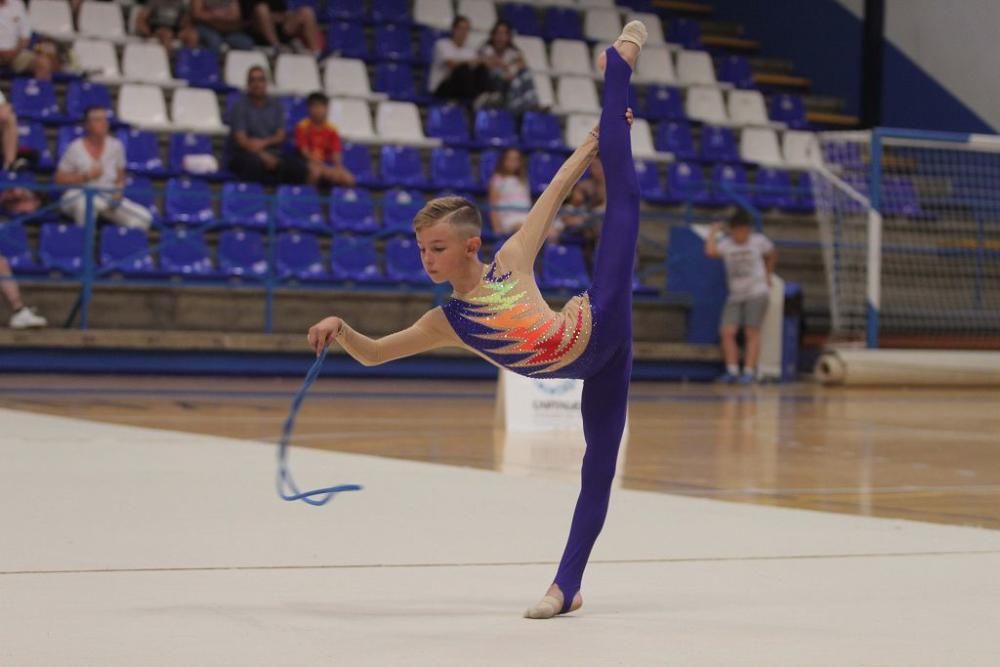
293,169
247,6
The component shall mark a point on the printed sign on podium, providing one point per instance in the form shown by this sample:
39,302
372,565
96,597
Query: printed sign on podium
527,404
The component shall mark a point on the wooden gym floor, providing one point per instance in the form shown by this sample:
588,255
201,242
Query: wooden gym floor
926,455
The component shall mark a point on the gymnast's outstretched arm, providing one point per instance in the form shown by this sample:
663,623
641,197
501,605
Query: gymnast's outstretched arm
429,332
519,252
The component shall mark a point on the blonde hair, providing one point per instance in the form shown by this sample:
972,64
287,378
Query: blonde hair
457,211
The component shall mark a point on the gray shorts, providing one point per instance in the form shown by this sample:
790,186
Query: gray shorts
749,313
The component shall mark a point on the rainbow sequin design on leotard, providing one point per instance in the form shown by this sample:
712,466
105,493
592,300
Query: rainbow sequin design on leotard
507,321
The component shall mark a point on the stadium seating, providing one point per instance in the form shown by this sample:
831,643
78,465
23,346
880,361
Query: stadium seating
238,63
685,182
563,267
147,63
675,138
296,74
760,145
358,160
183,252
298,257
188,201
353,120
397,82
448,123
602,24
82,94
299,207
354,258
60,248
142,153
245,205
799,149
577,94
346,40
704,104
747,107
352,210
718,144
437,14
99,59
402,262
51,18
142,105
399,208
399,122
31,135
542,167
126,251
451,169
540,130
663,103
694,68
772,189
348,77
650,184
562,23
401,165
196,110
495,127
735,70
393,43
102,20
523,18
790,110
685,32
14,246
570,56
242,254
36,100
199,67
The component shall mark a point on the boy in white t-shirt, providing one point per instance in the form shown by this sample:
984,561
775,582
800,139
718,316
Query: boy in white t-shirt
750,259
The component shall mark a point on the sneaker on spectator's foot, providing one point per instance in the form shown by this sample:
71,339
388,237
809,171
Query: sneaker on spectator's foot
727,378
745,378
26,318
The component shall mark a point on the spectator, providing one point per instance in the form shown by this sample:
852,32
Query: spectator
23,317
457,72
509,196
167,20
318,140
275,23
9,138
511,78
257,124
219,22
18,201
15,35
750,259
97,160
579,221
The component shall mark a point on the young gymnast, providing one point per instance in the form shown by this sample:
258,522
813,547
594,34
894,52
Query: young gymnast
498,312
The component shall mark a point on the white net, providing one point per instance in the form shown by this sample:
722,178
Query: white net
923,249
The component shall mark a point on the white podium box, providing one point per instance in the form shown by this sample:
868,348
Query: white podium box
772,333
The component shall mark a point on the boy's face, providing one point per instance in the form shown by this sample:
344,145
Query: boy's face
317,112
444,252
740,233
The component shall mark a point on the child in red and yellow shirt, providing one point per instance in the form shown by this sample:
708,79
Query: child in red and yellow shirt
318,141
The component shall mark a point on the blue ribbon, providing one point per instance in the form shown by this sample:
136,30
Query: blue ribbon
287,488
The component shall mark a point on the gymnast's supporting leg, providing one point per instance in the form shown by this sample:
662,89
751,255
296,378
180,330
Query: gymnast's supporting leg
605,394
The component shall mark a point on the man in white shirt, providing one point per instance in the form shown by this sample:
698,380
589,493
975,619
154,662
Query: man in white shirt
15,34
457,71
97,160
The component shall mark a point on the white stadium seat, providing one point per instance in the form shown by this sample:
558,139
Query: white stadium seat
98,58
296,74
399,123
434,13
353,119
346,77
570,56
593,4
655,65
196,110
142,105
238,63
695,68
800,149
578,125
533,50
147,62
51,18
482,14
654,28
602,25
704,104
746,107
577,94
760,145
642,142
102,20
543,88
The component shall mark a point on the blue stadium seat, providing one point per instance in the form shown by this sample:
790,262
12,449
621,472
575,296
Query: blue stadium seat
399,208
396,80
142,153
357,158
81,95
67,135
685,182
200,68
14,246
36,100
188,202
789,109
241,253
452,169
541,131
335,10
352,210
401,165
563,267
60,247
298,256
676,138
495,127
772,189
650,183
900,198
140,190
487,165
31,136
184,144
718,144
295,110
542,167
245,205
562,23
391,11
803,201
522,18
126,251
425,45
735,70
347,40
394,42
727,178
663,103
354,258
183,252
299,208
685,32
402,262
448,123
